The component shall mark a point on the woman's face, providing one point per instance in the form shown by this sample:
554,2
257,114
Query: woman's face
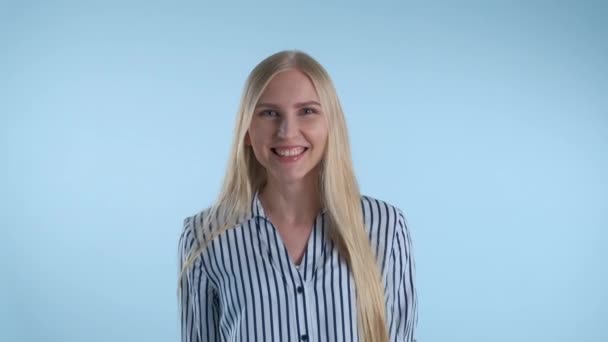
288,131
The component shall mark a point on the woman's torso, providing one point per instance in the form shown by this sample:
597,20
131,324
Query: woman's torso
248,287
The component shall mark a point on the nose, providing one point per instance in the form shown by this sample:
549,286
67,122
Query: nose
288,127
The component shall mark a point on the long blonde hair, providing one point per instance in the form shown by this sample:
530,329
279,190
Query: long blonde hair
338,186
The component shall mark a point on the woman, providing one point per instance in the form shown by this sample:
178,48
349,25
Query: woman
291,251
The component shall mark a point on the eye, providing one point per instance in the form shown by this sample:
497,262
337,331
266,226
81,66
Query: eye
309,110
269,113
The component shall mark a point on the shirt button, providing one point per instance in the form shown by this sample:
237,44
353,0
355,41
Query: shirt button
304,337
300,289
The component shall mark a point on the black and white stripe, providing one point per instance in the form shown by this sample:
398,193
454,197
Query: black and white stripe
245,287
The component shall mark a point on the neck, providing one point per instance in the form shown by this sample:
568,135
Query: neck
294,204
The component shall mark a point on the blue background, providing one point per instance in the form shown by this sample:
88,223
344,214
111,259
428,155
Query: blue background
485,121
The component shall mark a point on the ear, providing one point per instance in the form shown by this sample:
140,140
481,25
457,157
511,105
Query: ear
247,139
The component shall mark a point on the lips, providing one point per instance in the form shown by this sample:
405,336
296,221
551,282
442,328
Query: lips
289,151
289,154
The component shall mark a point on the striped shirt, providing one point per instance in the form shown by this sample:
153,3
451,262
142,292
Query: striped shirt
245,286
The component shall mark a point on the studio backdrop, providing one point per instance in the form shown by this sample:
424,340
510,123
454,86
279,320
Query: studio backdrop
485,121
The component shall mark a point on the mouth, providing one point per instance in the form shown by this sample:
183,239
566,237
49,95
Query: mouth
289,154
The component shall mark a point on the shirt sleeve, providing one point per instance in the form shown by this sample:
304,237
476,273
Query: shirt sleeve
198,312
404,319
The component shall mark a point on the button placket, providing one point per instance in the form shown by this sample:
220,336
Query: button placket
300,291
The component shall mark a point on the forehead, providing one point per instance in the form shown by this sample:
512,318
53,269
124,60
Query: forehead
288,87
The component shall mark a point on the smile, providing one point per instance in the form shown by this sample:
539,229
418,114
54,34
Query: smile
289,154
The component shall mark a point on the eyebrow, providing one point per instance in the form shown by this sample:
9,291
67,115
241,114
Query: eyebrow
297,105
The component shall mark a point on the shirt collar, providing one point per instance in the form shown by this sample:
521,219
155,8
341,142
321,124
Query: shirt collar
256,206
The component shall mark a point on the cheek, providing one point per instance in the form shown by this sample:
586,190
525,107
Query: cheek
259,134
317,131
319,135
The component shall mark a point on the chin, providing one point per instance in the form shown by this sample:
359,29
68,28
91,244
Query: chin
290,177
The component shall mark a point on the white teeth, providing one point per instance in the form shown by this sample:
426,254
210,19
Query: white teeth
290,152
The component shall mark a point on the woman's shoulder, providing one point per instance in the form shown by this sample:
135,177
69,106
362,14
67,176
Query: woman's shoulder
191,232
382,218
208,224
379,207
196,219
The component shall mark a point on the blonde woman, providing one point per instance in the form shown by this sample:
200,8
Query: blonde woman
290,250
